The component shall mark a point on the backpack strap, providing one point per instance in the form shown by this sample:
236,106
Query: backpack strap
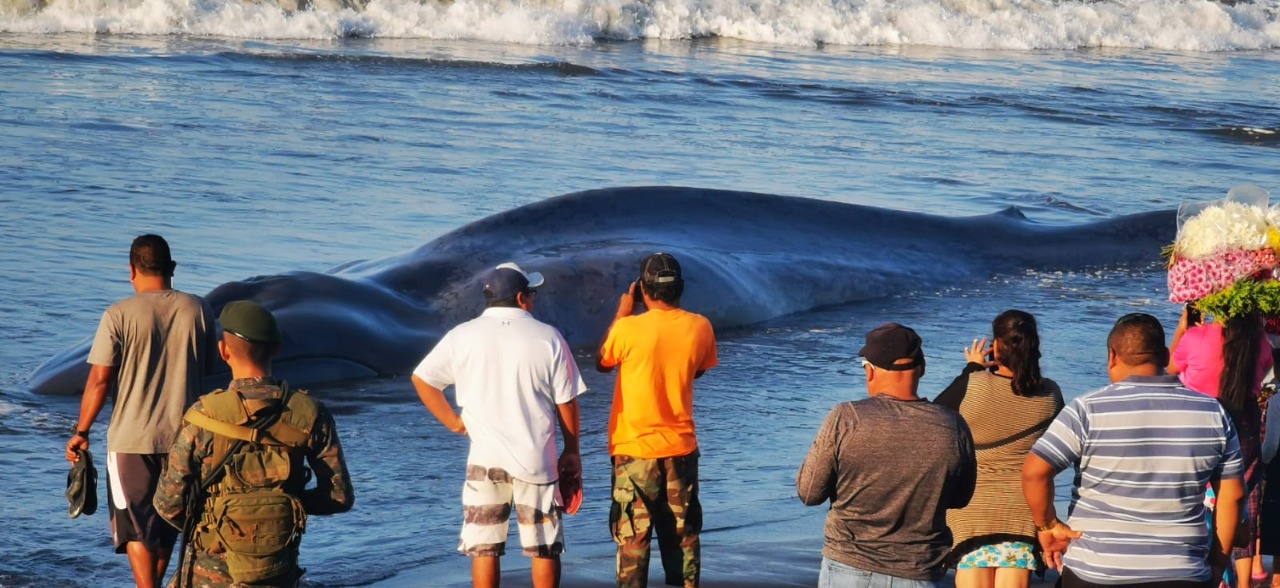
217,427
225,414
299,413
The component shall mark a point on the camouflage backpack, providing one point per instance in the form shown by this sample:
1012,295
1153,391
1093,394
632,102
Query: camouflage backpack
253,514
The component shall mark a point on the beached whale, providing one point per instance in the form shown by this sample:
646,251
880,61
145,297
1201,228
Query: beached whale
747,257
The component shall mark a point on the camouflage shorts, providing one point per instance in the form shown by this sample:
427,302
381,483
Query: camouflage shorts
656,495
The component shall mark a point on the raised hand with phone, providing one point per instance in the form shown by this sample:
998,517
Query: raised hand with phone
980,352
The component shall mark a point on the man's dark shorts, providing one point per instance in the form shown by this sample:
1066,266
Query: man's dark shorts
131,485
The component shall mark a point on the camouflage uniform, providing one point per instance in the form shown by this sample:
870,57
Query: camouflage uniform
659,494
188,464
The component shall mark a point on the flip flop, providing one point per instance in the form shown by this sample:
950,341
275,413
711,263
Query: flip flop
82,486
571,493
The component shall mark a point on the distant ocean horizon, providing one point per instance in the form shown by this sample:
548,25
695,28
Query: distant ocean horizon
264,142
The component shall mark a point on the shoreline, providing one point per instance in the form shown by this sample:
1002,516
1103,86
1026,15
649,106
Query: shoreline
778,564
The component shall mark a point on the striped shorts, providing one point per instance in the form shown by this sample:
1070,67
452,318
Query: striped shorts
487,498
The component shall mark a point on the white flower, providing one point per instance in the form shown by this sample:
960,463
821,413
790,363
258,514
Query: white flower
1225,226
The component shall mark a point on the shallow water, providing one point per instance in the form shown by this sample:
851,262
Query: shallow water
261,156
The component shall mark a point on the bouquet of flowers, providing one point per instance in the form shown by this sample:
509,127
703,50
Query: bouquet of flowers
1225,257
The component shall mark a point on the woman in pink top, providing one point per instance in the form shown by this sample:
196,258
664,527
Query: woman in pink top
1198,357
1228,361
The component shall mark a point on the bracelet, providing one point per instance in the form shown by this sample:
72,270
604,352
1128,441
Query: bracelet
1048,526
84,433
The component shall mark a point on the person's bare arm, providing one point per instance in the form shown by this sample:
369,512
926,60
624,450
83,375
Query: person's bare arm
95,397
1172,369
570,426
1226,520
1037,489
626,306
439,406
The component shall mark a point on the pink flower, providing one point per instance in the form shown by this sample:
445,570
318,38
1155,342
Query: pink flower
1193,279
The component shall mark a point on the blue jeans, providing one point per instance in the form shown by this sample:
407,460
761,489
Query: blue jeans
837,575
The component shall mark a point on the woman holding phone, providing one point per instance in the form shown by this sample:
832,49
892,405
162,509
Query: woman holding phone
1228,361
1008,406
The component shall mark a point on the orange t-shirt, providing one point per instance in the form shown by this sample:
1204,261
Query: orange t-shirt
659,352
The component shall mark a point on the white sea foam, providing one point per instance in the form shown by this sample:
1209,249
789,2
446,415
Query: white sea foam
1193,25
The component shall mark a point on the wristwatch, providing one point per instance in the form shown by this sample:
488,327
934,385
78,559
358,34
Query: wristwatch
1048,526
84,433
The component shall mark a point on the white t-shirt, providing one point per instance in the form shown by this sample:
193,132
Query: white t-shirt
509,371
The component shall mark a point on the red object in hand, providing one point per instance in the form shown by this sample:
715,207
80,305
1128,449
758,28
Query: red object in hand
571,493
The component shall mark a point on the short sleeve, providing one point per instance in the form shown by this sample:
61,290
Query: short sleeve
436,368
1232,465
106,342
1189,341
613,351
566,379
710,357
1063,444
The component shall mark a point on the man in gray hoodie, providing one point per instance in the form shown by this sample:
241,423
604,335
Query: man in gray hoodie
890,465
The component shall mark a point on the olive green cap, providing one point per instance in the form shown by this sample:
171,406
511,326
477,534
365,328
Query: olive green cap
250,321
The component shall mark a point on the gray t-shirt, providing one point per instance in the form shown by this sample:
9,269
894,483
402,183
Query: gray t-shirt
159,342
891,469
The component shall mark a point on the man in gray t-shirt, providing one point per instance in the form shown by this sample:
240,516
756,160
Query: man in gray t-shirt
890,466
153,349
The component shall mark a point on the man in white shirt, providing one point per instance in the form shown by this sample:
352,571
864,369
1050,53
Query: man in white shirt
514,377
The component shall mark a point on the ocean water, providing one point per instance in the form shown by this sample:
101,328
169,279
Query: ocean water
262,141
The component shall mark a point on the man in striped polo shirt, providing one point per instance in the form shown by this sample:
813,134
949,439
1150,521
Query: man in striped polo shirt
1144,449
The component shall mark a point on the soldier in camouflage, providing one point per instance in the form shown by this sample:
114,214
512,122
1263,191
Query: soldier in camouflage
250,339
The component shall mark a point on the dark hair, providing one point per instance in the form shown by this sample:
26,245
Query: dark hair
1138,339
662,279
256,351
508,302
1019,349
1241,344
150,256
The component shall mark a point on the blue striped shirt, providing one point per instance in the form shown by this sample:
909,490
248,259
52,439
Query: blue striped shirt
1144,450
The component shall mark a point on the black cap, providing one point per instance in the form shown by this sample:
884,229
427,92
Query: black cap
890,343
249,321
507,280
660,268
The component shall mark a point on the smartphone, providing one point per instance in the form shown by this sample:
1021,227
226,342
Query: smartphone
636,294
1193,315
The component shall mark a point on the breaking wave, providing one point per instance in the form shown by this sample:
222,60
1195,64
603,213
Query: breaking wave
1018,25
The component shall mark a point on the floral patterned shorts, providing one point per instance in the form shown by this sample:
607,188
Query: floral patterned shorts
1010,554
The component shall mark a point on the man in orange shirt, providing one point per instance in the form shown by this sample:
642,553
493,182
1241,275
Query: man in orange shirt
652,438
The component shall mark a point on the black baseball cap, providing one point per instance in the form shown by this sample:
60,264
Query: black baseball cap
507,280
890,343
660,268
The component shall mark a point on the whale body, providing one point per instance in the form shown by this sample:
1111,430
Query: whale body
746,257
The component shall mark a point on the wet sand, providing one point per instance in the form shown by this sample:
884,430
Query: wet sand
762,565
